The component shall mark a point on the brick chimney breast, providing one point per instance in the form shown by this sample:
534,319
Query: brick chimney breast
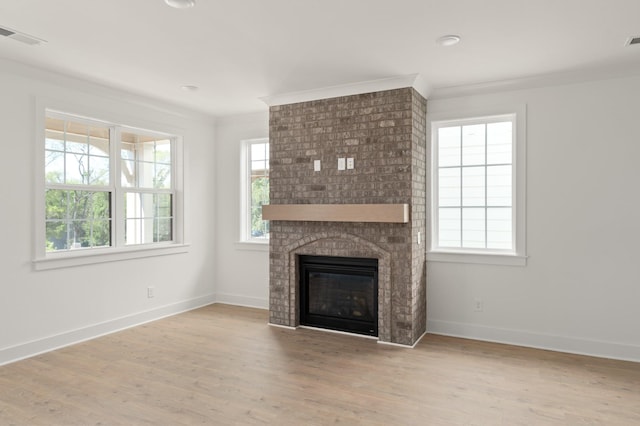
385,133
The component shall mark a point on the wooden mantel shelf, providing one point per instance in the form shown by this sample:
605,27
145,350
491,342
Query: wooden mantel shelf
381,213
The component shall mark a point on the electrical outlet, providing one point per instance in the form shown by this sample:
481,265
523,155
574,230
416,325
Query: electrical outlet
150,292
350,163
478,306
317,165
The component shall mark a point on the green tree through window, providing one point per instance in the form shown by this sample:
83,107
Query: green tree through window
83,197
259,197
257,189
77,199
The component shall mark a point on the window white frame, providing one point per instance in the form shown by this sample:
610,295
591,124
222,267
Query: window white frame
517,256
43,260
246,239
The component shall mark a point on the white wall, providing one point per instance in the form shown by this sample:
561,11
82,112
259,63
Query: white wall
45,309
580,291
242,273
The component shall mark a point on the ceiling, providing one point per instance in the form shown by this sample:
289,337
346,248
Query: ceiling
237,51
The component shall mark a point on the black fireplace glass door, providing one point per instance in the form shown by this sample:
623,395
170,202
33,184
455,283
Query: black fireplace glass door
339,293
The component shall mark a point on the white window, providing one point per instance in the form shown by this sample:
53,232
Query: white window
78,195
255,193
148,191
107,189
477,191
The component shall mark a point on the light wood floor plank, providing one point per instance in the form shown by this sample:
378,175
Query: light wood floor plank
224,365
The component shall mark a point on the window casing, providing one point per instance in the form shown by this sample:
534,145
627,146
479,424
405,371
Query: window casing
477,189
255,190
108,189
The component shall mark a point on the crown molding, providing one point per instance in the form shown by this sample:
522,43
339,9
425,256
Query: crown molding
97,88
537,81
412,80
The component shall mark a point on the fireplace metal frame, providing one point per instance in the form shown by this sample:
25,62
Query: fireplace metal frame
345,265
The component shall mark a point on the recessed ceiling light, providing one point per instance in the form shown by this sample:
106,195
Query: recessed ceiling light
189,88
448,40
181,4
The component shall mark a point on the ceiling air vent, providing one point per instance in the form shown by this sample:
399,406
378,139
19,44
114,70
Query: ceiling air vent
21,37
633,40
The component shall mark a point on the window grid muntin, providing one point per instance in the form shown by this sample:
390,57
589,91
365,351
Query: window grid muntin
67,139
138,215
113,188
485,121
144,153
139,145
68,120
254,209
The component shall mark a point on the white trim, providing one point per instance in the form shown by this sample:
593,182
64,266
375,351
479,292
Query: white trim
412,80
252,245
245,193
90,256
91,111
50,343
480,258
286,327
421,86
553,342
518,257
536,81
39,203
401,345
245,202
241,300
43,260
104,92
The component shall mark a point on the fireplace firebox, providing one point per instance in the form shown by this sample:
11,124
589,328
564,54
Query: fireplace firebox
339,293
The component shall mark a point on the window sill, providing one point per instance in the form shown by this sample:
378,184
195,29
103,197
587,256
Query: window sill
255,245
71,259
477,258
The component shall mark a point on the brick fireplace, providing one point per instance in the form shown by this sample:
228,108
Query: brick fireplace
385,133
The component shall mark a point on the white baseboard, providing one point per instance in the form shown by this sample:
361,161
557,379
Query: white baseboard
286,327
47,344
573,345
404,346
240,300
550,342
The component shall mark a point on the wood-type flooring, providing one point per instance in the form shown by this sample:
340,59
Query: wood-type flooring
224,365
